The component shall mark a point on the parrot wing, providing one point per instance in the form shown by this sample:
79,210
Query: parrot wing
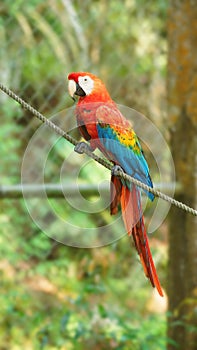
120,141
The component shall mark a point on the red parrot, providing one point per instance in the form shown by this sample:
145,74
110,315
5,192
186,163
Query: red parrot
101,123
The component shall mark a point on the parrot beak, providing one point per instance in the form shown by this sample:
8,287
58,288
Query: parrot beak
79,91
75,89
71,88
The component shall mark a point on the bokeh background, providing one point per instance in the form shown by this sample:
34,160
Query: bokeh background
54,296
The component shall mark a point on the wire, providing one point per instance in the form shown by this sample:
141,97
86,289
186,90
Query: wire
92,155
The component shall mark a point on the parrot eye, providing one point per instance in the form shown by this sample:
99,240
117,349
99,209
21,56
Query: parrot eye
86,79
86,83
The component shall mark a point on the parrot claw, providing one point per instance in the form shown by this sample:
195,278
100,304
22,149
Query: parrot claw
82,147
116,170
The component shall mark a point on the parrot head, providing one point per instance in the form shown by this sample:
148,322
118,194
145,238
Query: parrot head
88,87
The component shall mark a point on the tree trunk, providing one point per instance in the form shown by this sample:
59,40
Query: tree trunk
182,95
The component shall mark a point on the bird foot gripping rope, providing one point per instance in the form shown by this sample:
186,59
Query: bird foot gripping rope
82,147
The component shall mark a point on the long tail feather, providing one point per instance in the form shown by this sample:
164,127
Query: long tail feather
115,191
134,222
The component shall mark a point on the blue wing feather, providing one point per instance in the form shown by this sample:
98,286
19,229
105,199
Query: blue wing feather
134,164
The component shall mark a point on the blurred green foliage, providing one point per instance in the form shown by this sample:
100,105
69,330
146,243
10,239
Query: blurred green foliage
53,296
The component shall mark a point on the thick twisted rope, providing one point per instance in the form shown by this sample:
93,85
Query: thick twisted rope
98,159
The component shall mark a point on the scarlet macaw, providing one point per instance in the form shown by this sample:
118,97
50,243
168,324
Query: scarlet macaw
102,124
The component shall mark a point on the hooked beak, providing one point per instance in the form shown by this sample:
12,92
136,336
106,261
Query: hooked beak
75,89
79,91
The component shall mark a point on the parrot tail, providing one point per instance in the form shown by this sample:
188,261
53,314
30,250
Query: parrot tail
130,202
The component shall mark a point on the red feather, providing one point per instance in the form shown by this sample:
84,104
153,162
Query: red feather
134,223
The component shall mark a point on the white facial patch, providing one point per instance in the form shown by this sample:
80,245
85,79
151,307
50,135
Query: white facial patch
86,83
71,87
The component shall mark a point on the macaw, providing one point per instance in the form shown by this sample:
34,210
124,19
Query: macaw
101,123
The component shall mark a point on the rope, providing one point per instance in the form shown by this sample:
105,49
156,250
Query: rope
98,159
